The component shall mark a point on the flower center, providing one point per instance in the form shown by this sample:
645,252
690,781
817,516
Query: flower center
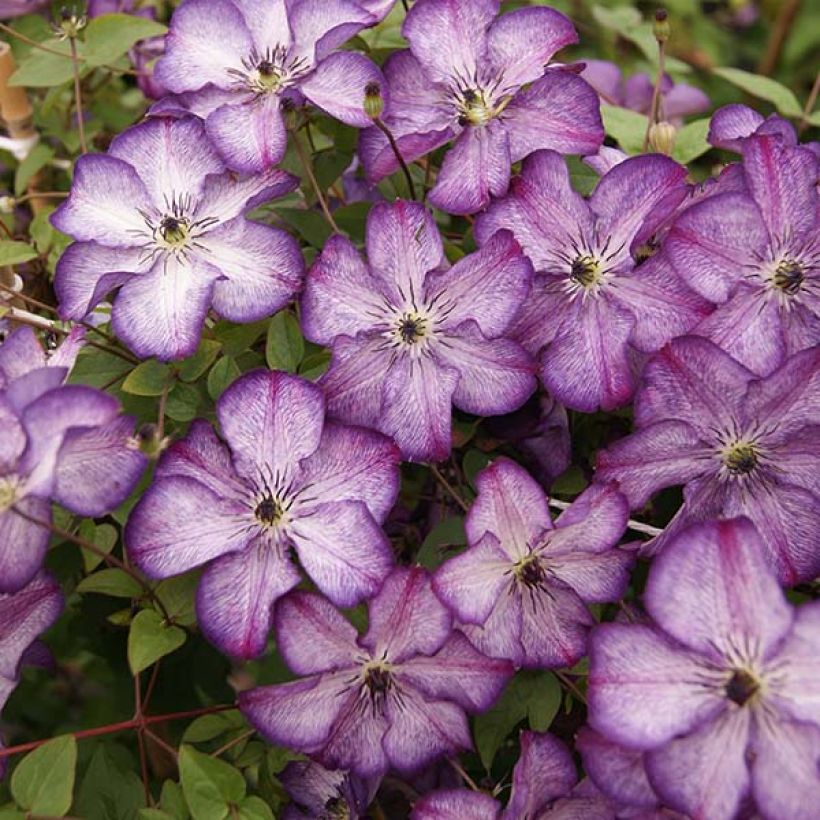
529,571
411,328
336,808
8,491
586,271
740,458
174,230
742,687
269,72
788,276
269,511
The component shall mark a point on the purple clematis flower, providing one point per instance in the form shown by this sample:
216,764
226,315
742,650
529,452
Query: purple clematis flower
410,336
286,481
522,584
462,80
730,126
247,56
740,445
722,694
757,255
395,697
24,615
160,218
678,100
594,303
542,787
318,792
17,8
63,443
22,352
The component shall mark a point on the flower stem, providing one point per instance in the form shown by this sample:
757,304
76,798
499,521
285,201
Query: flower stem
306,165
78,97
449,489
807,111
395,147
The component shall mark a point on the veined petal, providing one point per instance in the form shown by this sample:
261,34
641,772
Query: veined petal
705,774
235,597
406,618
596,578
522,42
471,583
416,409
510,505
20,353
500,636
267,21
312,635
30,387
487,286
320,26
643,690
206,39
104,206
731,124
343,550
455,804
477,166
226,196
23,544
496,376
338,86
712,590
180,524
271,421
559,111
403,245
594,522
262,269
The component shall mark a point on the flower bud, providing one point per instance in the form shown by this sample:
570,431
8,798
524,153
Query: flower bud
7,204
661,28
662,137
373,101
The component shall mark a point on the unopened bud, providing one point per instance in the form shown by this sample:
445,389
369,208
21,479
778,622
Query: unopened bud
70,24
373,101
662,137
7,204
661,28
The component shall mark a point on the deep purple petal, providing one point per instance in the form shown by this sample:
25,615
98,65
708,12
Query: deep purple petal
731,124
23,544
455,804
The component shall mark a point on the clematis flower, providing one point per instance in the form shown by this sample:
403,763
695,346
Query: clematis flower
479,80
410,337
22,352
542,787
16,8
757,255
395,697
721,694
523,584
160,218
286,481
594,303
740,446
323,793
732,124
677,100
63,443
24,615
245,57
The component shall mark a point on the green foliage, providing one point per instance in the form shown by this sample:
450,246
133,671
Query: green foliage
43,782
213,789
285,346
151,638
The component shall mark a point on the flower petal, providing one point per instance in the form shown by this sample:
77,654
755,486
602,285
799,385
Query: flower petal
226,196
180,524
320,26
312,635
271,420
20,353
235,597
342,549
730,124
596,578
594,522
643,690
455,804
23,544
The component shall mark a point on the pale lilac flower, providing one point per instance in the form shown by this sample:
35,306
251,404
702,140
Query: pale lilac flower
411,336
740,445
722,694
480,80
286,481
160,218
757,255
245,57
24,615
522,585
22,352
396,697
542,787
677,100
317,792
63,443
595,303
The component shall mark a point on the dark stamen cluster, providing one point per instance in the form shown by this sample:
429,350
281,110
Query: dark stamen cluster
741,687
789,276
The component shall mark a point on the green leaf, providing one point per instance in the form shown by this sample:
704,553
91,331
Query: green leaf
627,127
150,639
211,786
172,800
41,230
42,69
183,402
440,540
209,727
107,790
254,808
690,141
285,346
178,597
315,365
474,462
310,225
192,368
96,368
571,482
237,339
222,375
103,536
521,699
114,582
43,783
109,36
763,88
147,379
38,157
15,253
